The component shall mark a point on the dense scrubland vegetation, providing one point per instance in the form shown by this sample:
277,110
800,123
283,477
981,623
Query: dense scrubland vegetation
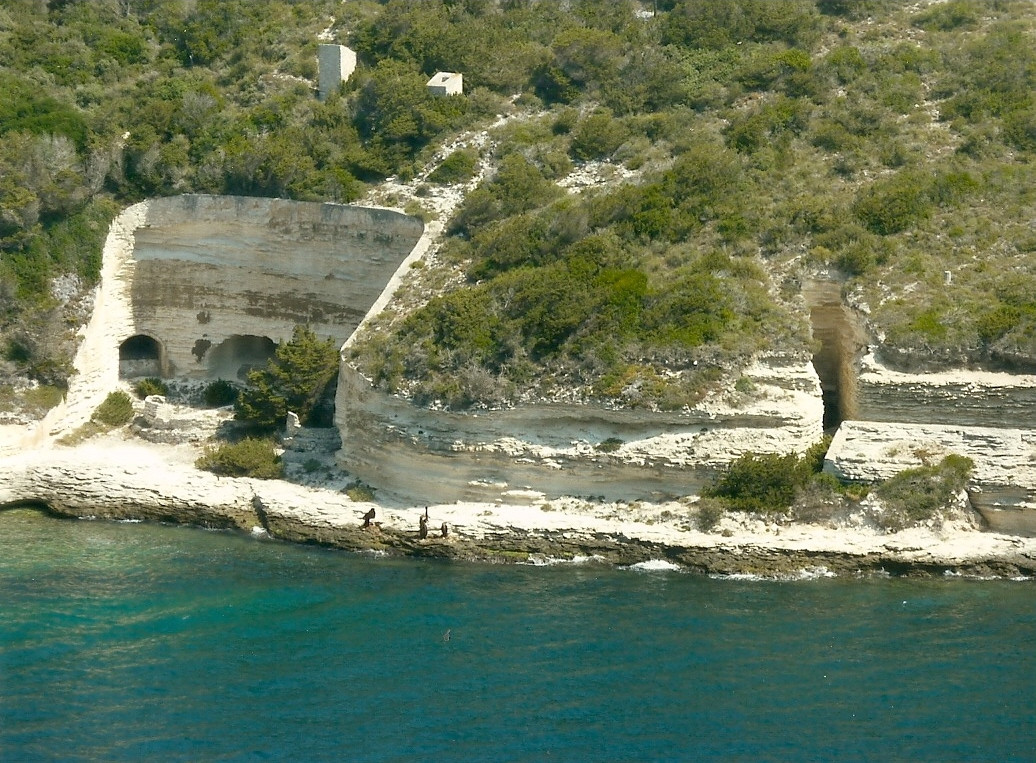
761,140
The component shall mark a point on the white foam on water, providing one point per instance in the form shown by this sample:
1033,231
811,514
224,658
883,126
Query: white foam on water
539,560
736,576
656,565
129,521
808,573
259,532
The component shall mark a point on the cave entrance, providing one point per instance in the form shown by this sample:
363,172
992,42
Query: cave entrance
236,355
142,355
836,334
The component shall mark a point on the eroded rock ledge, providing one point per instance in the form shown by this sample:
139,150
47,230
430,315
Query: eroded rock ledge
550,450
146,485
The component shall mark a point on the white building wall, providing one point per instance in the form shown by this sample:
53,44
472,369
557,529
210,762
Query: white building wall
446,83
337,63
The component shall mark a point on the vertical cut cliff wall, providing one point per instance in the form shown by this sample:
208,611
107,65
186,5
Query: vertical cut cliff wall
206,269
525,453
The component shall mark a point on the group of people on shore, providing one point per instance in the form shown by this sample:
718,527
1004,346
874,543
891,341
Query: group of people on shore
422,531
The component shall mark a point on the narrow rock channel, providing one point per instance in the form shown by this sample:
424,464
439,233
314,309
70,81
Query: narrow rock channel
838,339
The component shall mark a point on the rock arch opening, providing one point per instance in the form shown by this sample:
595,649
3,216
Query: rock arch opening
835,333
236,355
142,355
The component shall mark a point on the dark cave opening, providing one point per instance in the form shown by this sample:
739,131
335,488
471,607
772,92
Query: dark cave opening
236,355
142,355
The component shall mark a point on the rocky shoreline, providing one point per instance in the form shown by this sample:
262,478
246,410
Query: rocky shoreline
118,477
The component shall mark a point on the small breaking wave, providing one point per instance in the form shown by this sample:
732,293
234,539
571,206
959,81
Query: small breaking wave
806,573
655,565
539,560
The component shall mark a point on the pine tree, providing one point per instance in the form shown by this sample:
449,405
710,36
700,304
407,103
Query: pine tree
296,379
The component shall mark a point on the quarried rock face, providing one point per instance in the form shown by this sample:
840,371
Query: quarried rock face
204,287
1003,483
526,453
217,281
956,397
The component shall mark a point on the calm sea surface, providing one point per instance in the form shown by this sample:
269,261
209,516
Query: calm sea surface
132,641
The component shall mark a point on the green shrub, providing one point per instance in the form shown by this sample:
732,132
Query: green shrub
710,512
116,410
767,482
915,495
251,457
220,393
150,386
997,321
763,483
948,16
813,458
893,205
598,136
455,168
609,445
359,491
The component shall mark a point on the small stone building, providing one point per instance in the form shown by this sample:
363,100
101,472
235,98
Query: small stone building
336,63
446,83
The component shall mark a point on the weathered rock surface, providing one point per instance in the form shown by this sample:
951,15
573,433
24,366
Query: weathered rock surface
960,397
204,269
137,482
525,453
1003,484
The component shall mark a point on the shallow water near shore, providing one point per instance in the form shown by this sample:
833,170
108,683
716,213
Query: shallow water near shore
131,641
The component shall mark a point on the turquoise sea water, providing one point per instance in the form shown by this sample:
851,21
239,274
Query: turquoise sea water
132,641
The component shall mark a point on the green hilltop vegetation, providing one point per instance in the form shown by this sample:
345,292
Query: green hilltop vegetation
758,141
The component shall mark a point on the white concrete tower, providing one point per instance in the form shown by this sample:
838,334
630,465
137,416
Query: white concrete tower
336,63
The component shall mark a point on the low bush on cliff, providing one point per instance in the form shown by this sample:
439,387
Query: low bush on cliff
150,386
916,495
767,482
710,512
251,457
220,393
116,410
455,168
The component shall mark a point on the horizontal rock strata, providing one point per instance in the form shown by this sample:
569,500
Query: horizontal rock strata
528,452
957,397
1003,484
